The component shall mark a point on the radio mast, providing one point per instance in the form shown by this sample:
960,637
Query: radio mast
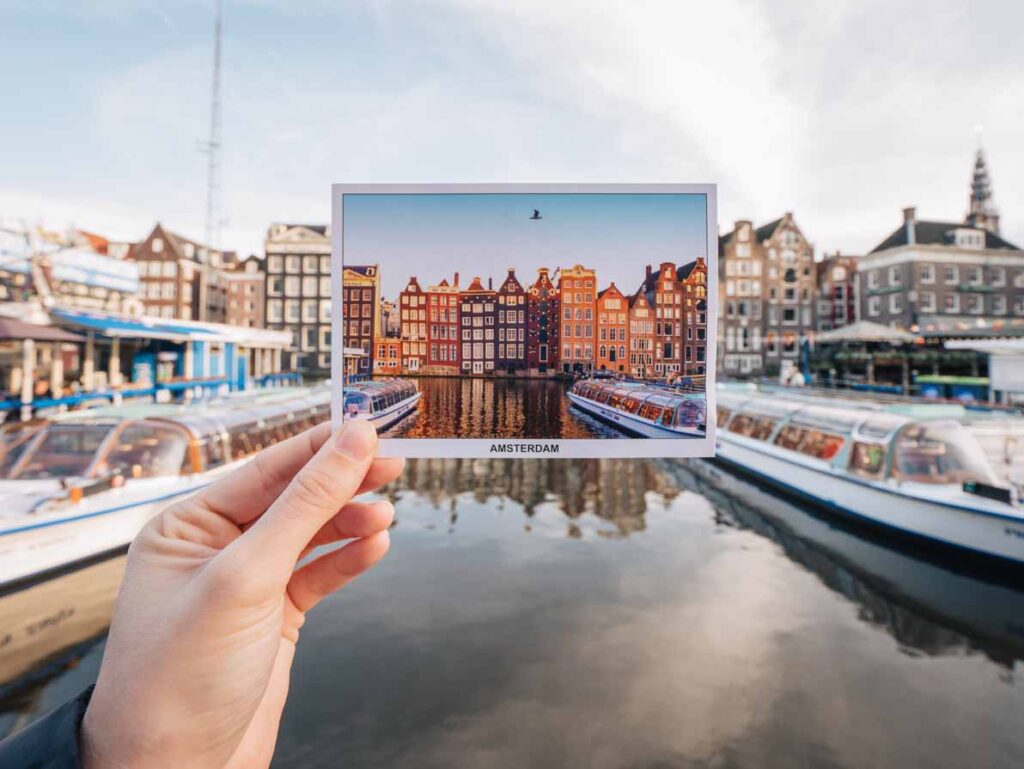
212,146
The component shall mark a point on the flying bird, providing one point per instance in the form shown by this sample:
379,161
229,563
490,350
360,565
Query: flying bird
536,214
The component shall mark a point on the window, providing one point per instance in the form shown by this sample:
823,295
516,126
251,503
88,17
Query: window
951,303
895,303
873,281
309,264
309,286
291,286
292,264
157,245
895,275
999,304
927,301
274,310
927,273
951,274
874,306
866,459
291,310
274,263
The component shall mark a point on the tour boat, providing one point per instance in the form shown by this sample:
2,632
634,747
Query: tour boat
78,489
381,402
929,478
645,410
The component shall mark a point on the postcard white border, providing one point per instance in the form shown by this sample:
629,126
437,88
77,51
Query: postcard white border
595,448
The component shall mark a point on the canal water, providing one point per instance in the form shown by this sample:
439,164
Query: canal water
654,614
469,407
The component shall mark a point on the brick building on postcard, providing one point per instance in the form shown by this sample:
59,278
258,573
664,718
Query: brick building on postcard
443,336
542,325
360,316
612,330
665,294
412,303
694,280
511,323
478,315
577,288
641,336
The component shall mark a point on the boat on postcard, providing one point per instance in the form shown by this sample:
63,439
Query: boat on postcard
78,489
381,402
928,477
642,409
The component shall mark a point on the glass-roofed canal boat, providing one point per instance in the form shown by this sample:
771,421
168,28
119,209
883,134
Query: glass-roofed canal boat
79,488
926,476
382,402
645,410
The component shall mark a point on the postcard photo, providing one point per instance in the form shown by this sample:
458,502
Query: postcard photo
519,320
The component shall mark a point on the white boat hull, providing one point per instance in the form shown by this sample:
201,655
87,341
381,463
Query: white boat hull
982,530
628,423
396,413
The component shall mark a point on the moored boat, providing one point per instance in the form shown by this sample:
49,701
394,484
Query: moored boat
81,488
644,410
382,402
928,478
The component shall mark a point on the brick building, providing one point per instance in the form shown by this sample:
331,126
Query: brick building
542,325
412,303
641,336
665,295
577,287
175,277
443,327
612,330
479,320
766,296
245,299
387,356
512,325
836,288
360,317
694,280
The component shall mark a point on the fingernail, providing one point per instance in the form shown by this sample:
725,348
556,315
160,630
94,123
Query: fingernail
356,440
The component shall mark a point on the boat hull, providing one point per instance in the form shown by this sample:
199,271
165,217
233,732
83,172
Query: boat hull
395,414
981,532
628,424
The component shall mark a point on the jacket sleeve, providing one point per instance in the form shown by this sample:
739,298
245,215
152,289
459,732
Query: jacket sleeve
50,742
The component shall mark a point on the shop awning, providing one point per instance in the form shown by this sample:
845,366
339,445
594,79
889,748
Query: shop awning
112,325
11,329
865,331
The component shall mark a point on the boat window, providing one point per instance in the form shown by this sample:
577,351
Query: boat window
880,425
604,395
632,404
831,420
866,459
64,450
650,411
940,452
214,451
813,443
13,449
240,437
356,403
145,451
758,428
691,413
723,416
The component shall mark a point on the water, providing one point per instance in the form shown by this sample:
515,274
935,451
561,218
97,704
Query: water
496,408
610,614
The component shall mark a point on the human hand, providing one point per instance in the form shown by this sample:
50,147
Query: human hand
196,667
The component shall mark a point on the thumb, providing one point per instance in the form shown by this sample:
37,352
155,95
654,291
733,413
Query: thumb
317,492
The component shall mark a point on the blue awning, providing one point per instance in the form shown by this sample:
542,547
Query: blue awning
112,325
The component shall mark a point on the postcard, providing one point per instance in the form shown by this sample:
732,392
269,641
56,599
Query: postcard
526,320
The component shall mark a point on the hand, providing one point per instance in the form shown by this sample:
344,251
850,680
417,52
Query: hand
196,667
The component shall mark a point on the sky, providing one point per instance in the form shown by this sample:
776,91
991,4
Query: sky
477,235
842,112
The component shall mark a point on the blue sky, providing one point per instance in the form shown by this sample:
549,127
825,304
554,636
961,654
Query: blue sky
433,236
842,112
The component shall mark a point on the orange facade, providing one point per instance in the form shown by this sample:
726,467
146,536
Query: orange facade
641,336
577,287
612,331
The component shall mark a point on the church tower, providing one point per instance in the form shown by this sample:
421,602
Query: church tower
982,211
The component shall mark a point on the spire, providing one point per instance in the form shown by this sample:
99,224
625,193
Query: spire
981,210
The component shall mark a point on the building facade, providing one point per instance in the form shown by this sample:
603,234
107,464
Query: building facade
577,287
641,336
360,317
171,275
443,328
512,325
542,325
766,296
412,303
479,320
297,293
387,356
665,295
836,288
245,298
612,330
694,280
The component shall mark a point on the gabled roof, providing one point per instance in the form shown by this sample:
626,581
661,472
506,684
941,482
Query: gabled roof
939,234
765,231
477,287
634,298
600,294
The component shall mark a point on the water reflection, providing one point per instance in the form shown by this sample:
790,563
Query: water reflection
496,408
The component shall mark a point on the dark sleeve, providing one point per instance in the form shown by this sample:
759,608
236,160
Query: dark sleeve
50,742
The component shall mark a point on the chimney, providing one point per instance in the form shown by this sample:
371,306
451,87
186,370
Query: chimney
490,284
456,280
909,221
542,272
648,272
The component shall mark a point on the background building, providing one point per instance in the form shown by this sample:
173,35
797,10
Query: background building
245,286
836,288
297,266
172,280
766,296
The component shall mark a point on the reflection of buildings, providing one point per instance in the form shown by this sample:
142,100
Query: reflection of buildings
611,489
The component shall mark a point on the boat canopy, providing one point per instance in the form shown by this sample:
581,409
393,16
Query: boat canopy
158,445
374,397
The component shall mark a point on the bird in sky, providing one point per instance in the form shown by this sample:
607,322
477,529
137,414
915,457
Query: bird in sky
536,214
